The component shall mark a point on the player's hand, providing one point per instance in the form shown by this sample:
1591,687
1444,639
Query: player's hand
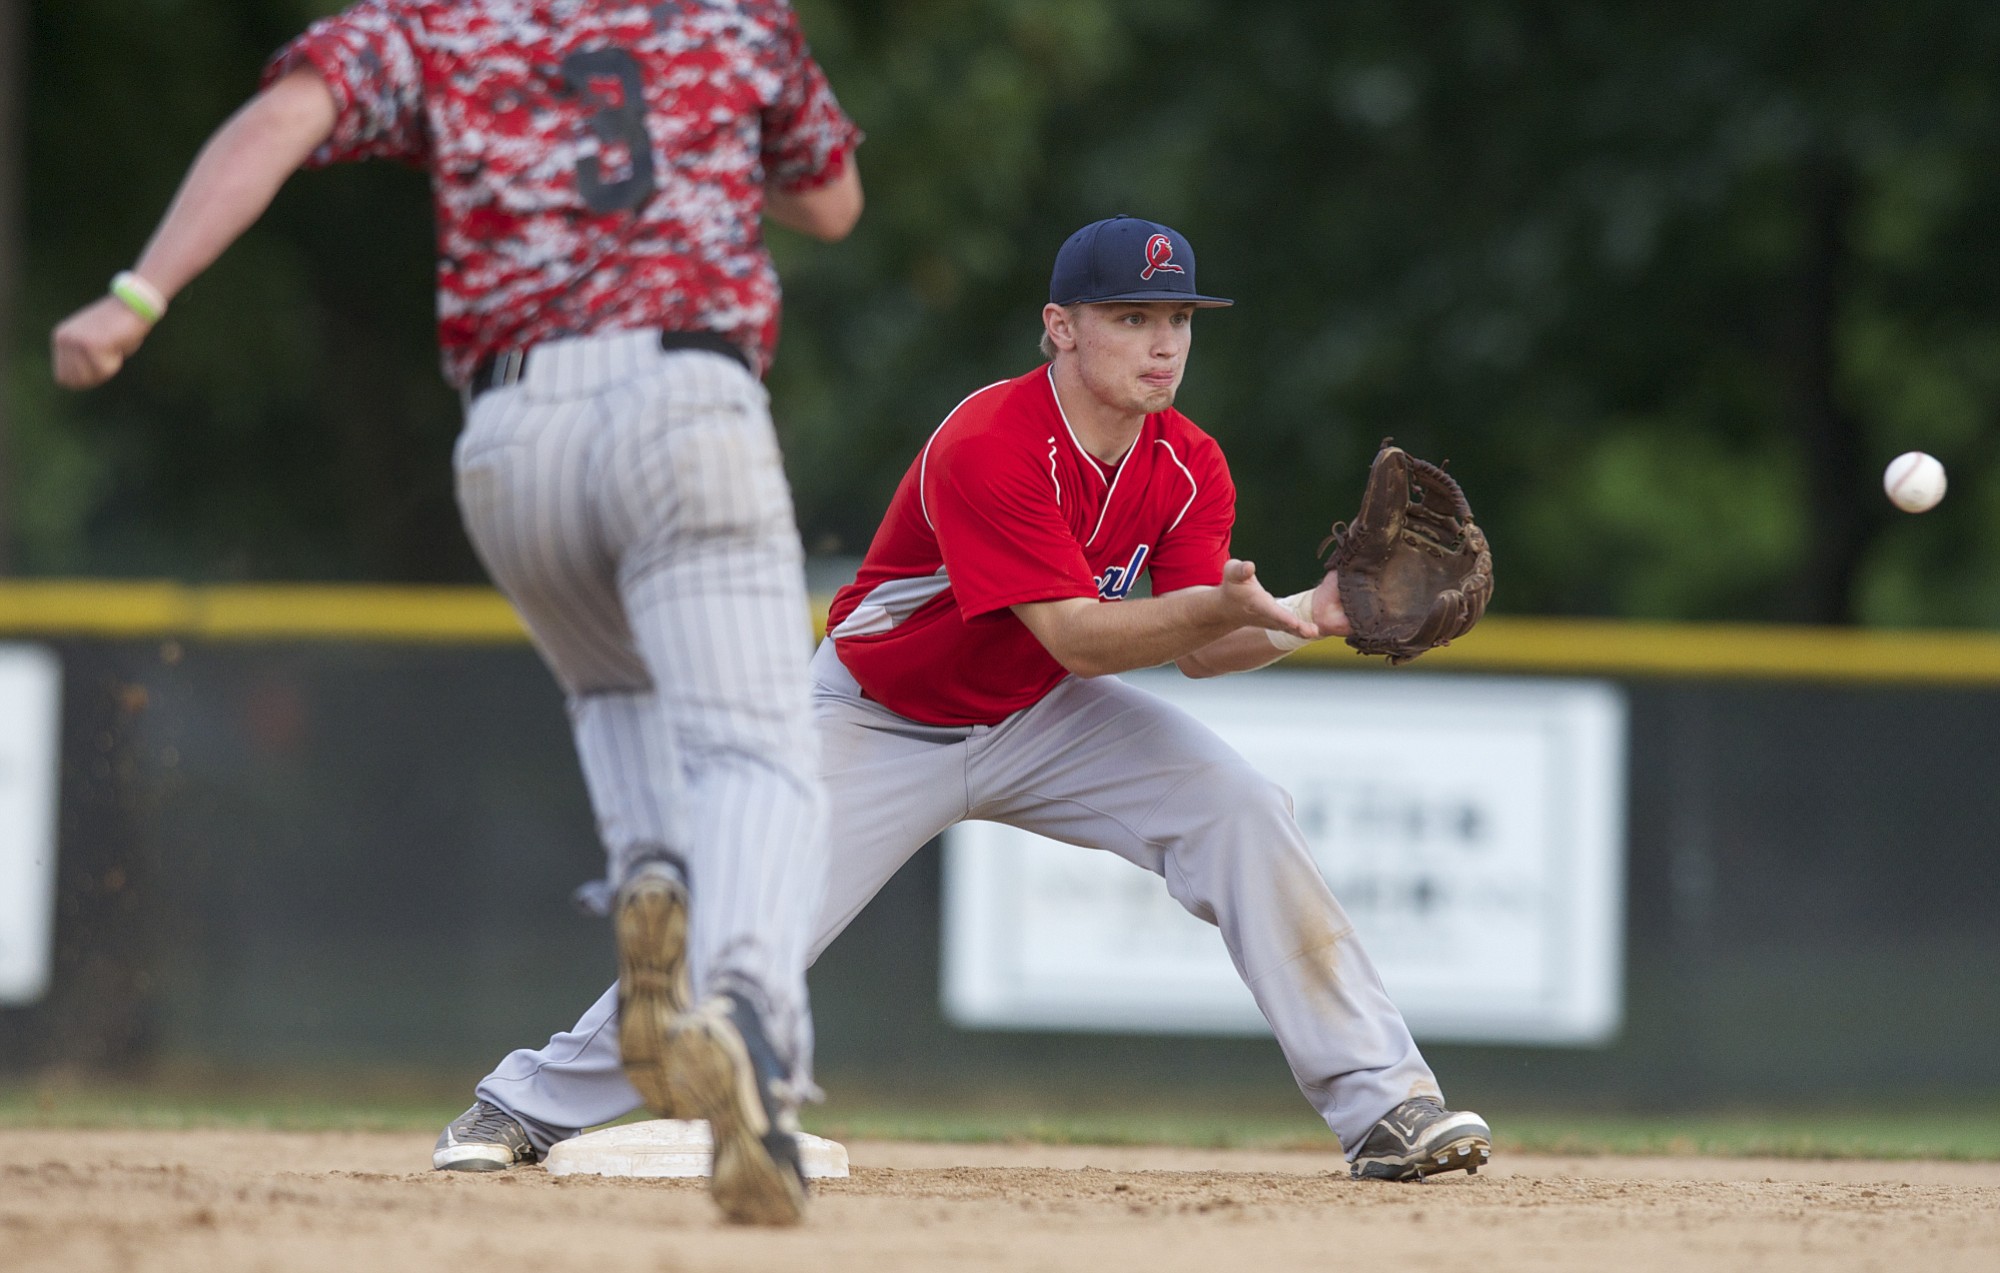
1327,613
1253,607
91,345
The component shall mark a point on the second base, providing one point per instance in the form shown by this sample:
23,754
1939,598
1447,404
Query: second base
671,1147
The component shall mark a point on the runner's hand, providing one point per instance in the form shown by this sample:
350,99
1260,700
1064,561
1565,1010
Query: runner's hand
91,345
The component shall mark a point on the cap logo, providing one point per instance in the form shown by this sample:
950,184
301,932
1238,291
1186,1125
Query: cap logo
1159,258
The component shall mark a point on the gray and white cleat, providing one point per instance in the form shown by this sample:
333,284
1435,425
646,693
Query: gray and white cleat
483,1138
1421,1138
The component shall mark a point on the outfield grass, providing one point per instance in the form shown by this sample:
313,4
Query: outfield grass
175,1108
1220,1130
1946,1130
1838,1133
1949,1130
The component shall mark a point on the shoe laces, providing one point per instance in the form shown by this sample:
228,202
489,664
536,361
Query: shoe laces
489,1121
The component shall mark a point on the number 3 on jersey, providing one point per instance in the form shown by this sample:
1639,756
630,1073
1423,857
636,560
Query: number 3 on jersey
617,121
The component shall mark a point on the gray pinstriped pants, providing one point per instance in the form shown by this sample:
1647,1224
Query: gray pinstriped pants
632,505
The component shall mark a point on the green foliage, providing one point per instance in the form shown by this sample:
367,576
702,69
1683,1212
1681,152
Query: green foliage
1696,526
287,420
1668,284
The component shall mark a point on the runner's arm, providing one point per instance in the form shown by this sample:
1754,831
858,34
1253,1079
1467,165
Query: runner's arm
230,184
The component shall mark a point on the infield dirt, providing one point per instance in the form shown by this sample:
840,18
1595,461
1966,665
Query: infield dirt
209,1201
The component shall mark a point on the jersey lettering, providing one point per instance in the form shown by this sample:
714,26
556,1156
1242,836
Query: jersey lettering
1116,581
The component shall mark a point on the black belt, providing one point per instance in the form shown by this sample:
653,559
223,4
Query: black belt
496,371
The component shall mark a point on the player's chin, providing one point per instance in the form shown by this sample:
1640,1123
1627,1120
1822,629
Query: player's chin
1152,397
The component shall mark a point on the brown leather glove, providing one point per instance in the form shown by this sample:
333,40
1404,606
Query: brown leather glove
1414,571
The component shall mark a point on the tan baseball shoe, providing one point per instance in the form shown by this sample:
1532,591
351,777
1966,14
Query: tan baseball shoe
651,917
734,1079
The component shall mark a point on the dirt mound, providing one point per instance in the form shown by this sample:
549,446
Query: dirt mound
209,1201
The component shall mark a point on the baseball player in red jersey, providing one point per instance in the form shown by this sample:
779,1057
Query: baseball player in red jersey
607,306
969,674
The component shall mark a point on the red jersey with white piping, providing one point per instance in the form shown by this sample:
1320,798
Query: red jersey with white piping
1004,506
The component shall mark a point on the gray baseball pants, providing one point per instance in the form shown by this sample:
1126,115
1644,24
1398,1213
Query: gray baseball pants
1097,763
632,505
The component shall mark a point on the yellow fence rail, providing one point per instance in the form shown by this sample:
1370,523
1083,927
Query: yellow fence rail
256,612
1605,647
1596,647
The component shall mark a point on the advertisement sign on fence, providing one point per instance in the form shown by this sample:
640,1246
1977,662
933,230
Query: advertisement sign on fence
1474,829
30,738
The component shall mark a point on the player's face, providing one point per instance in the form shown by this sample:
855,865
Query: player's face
1131,356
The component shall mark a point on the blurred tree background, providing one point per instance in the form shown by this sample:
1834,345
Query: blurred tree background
1669,284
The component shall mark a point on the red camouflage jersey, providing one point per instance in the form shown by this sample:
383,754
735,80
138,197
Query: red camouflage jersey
596,165
1004,506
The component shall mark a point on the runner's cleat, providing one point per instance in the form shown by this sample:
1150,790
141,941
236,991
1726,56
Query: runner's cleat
1421,1138
483,1138
731,1076
652,925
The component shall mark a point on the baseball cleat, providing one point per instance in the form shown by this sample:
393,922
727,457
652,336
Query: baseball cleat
1421,1138
652,925
483,1138
731,1076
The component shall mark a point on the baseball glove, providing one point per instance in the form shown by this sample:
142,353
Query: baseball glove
1414,571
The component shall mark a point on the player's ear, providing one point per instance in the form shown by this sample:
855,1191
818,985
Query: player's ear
1057,325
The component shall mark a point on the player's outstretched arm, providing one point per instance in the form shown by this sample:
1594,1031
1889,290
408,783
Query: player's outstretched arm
1249,648
1098,638
230,184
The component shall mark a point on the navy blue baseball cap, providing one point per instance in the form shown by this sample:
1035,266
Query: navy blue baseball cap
1126,259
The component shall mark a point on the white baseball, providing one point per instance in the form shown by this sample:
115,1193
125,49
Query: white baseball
1914,481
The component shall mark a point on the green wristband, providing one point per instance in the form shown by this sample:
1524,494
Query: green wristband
141,297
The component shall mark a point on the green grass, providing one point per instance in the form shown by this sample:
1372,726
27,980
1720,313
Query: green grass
1218,1130
1953,1133
1947,1130
307,1106
1941,1130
